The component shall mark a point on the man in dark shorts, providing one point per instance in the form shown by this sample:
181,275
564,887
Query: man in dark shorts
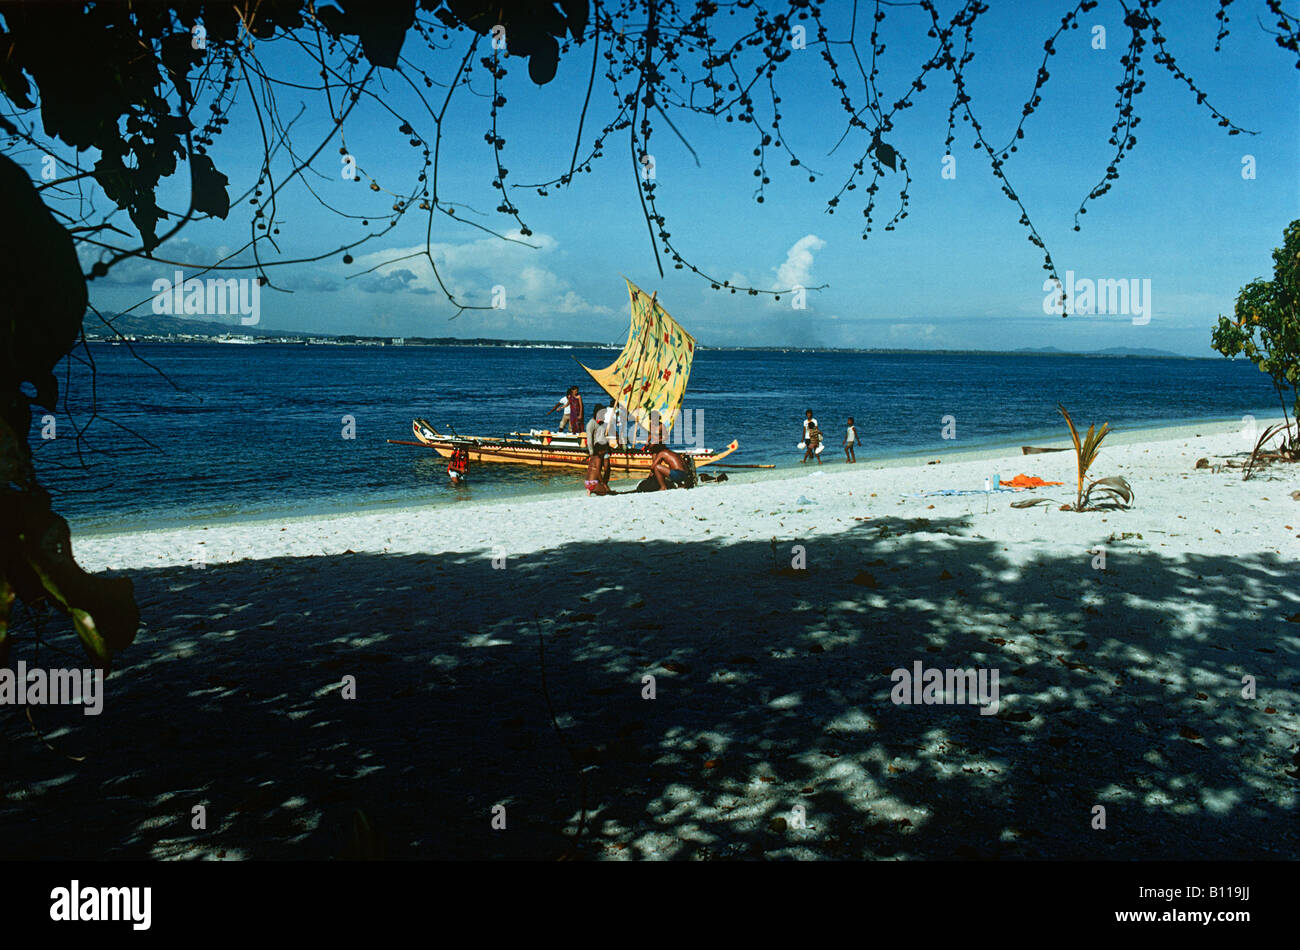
601,439
597,480
668,469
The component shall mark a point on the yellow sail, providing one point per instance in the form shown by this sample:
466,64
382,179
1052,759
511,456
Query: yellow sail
650,374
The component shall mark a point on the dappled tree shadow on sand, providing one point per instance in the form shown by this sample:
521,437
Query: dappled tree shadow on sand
772,691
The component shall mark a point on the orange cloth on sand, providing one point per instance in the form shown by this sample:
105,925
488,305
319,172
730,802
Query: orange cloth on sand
1028,481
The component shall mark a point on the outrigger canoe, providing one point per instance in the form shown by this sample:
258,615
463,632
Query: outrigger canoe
647,382
549,450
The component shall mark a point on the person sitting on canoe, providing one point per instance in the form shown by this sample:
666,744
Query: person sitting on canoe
614,422
668,469
657,434
562,404
566,403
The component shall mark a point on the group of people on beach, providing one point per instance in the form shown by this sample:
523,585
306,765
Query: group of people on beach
667,468
812,442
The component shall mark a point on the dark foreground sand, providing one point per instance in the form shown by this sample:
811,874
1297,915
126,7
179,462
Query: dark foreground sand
1119,687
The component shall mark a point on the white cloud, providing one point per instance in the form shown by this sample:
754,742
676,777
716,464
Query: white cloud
797,268
395,289
140,272
471,271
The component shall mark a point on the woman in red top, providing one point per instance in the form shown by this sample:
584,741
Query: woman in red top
577,415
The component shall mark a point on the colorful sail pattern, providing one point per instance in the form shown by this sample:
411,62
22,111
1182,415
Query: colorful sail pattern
650,374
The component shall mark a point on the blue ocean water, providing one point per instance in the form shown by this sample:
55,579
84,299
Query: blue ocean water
210,431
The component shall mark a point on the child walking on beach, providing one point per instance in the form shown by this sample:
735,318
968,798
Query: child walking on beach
812,443
850,440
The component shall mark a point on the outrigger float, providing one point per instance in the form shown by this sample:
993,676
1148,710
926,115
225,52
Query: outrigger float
648,380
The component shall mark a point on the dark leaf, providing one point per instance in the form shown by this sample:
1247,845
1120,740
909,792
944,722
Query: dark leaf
887,156
544,60
178,55
381,26
210,196
13,84
576,12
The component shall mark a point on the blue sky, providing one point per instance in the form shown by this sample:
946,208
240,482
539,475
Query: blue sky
958,273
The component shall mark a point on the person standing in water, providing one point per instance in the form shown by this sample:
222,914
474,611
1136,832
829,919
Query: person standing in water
812,443
809,424
458,467
850,440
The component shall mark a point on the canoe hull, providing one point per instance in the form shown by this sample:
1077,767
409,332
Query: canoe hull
560,453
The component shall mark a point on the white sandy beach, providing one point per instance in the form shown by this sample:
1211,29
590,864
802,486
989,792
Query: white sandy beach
1119,687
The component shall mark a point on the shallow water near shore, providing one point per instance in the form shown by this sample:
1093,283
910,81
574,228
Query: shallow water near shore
261,431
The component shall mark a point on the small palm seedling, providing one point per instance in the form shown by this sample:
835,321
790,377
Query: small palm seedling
1114,490
1284,452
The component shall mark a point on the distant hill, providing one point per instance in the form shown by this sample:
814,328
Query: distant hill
153,324
160,325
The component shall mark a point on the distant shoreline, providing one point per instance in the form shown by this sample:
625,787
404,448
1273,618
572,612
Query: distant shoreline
387,342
